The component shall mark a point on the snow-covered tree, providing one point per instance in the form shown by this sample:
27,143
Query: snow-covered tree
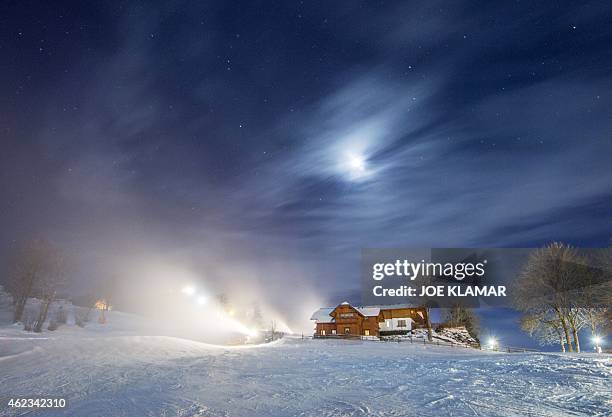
594,318
544,327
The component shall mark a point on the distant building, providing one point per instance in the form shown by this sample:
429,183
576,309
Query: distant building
348,320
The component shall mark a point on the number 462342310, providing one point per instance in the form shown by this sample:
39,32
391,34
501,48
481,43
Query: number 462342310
37,403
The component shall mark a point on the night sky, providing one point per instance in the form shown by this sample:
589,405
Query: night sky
265,144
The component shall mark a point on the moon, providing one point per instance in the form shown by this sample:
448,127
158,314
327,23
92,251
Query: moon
357,163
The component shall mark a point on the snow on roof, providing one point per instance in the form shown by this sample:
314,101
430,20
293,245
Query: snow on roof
322,315
391,306
368,311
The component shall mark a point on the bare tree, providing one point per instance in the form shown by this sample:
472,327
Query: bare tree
548,282
459,315
90,302
428,324
53,276
29,265
575,319
273,329
596,296
425,280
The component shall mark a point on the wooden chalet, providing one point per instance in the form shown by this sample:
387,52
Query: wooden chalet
347,320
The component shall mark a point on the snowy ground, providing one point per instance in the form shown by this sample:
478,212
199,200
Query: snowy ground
115,373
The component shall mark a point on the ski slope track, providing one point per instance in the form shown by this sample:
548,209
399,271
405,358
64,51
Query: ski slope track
108,374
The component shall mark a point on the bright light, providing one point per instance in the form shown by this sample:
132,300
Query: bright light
357,163
597,340
201,300
188,290
355,166
492,343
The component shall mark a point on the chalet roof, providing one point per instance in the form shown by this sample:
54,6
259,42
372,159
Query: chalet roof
392,306
322,315
368,311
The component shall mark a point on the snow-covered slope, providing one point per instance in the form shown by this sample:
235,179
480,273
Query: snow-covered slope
115,373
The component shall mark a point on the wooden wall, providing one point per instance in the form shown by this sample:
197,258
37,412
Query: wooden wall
418,314
347,317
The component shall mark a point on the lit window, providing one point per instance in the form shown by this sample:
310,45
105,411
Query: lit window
322,332
401,323
366,332
347,330
333,331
